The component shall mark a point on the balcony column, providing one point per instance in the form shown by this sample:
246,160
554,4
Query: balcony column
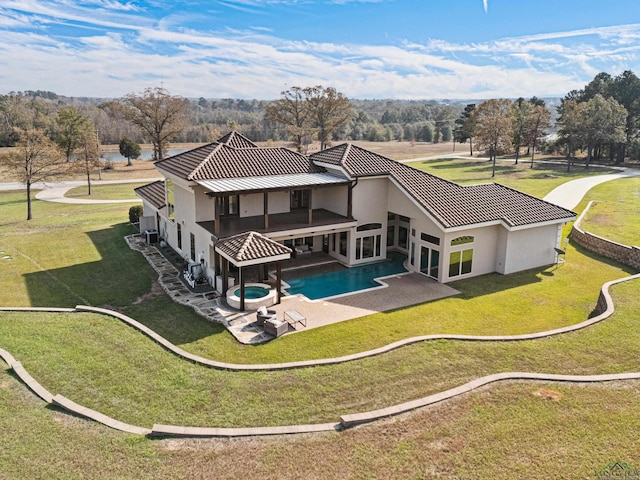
350,202
266,209
310,206
216,218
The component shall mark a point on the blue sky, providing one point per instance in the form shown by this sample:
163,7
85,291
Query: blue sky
420,49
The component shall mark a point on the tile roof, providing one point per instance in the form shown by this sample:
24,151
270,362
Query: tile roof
452,205
248,246
236,159
237,140
152,193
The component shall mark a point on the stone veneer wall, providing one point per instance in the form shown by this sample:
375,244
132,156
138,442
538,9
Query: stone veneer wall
602,246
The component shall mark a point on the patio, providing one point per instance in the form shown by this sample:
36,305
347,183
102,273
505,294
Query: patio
401,291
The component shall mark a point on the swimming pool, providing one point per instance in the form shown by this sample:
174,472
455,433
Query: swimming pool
348,280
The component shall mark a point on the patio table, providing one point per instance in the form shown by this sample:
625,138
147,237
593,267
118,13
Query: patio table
293,317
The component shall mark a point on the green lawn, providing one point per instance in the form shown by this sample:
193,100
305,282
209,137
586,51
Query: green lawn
614,215
538,181
75,254
122,191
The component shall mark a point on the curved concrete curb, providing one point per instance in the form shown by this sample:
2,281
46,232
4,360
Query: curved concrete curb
605,303
348,421
605,306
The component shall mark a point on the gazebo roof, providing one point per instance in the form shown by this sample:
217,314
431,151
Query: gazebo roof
251,248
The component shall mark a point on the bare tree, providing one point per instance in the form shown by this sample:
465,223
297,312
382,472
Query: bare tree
71,129
35,159
292,111
520,113
539,121
309,111
160,115
330,110
87,152
493,128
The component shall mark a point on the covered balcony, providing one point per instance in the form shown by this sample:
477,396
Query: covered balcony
307,203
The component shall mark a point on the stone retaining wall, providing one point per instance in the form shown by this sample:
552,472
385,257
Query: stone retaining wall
603,246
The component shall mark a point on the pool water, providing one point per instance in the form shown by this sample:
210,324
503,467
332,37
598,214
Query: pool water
252,292
348,280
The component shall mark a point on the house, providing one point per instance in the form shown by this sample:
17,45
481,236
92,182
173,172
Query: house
351,203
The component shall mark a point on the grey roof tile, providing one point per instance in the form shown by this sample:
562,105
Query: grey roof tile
251,246
152,193
452,205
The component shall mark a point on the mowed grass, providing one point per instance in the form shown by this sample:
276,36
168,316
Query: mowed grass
537,181
123,191
103,364
508,430
614,213
83,259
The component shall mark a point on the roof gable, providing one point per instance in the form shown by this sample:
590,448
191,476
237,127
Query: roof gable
249,247
235,156
153,193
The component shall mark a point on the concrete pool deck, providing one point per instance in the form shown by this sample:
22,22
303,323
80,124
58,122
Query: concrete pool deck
398,291
401,290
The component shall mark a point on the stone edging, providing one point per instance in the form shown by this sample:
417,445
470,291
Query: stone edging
605,305
346,421
628,255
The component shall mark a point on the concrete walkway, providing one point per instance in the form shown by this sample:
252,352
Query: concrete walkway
570,194
54,192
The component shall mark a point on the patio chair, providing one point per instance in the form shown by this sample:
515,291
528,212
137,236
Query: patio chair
263,314
275,327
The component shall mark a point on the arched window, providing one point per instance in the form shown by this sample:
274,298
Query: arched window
462,240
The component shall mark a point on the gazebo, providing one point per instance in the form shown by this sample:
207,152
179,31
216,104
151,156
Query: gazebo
250,249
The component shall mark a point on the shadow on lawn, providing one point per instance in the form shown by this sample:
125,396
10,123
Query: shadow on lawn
121,280
117,278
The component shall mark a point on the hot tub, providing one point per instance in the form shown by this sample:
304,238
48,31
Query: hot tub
256,295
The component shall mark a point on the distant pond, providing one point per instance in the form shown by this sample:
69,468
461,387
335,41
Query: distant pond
144,155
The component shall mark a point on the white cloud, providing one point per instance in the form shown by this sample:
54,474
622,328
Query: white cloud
124,51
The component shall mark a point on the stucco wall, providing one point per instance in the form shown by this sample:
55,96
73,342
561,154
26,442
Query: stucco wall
484,248
333,199
531,248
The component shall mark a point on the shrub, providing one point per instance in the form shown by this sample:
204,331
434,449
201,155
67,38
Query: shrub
135,213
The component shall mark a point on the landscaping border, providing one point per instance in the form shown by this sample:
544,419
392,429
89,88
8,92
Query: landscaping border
628,255
605,307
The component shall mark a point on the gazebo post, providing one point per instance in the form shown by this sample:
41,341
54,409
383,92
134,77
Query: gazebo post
241,288
225,276
278,281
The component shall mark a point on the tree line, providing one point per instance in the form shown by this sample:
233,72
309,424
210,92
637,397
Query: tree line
602,119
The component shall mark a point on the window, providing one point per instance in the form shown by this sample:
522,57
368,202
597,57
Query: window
462,240
192,246
170,199
403,237
368,247
369,226
391,235
299,199
343,244
179,236
430,238
413,253
228,206
460,263
429,261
